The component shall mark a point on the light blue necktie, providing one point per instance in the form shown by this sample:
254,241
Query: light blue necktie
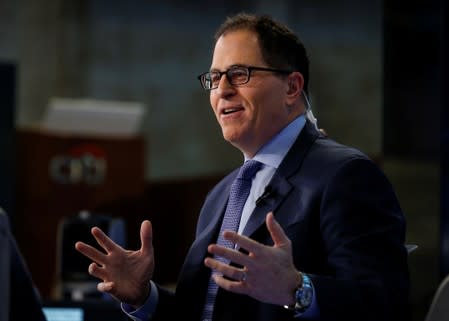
237,198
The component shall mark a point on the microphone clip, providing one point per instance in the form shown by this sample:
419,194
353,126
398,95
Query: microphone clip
268,193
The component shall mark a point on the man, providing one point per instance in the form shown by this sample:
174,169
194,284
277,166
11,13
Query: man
321,234
18,297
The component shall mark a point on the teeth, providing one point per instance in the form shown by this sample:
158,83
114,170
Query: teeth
229,110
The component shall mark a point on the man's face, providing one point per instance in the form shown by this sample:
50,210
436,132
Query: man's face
249,114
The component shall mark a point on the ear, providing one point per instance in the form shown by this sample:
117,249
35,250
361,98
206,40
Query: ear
295,83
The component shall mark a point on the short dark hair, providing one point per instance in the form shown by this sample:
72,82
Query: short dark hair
280,46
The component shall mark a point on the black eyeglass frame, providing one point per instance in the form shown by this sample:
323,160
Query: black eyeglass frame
248,69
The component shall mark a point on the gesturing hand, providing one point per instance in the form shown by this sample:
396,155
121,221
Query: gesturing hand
268,272
125,274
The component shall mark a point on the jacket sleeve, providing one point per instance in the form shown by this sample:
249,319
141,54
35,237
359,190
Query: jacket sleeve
363,231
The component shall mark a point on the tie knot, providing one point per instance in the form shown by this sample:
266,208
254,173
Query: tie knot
249,169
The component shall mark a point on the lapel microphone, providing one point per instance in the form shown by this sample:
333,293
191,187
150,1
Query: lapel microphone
267,193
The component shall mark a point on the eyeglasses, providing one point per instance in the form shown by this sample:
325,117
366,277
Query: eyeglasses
236,75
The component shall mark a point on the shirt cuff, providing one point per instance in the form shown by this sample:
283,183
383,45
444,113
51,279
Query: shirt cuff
146,311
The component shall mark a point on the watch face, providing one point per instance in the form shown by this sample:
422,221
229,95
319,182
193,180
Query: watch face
307,295
304,294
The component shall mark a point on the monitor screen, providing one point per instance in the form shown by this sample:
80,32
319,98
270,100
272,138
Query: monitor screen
87,310
63,313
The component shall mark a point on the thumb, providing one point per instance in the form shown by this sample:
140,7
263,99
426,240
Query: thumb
278,235
146,237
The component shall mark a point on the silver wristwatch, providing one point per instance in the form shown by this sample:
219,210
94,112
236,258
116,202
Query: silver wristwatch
303,295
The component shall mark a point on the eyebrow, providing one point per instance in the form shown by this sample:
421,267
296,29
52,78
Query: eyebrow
230,67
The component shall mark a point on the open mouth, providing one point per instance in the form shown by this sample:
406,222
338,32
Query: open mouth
228,111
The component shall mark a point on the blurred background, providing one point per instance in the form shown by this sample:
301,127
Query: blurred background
378,82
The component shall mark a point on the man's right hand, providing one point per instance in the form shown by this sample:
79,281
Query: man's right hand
125,274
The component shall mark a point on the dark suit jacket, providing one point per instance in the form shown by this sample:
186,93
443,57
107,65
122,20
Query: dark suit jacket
347,231
18,296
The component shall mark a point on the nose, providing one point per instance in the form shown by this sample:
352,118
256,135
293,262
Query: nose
224,86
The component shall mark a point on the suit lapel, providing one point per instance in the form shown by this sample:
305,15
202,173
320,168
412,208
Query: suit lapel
280,184
213,211
280,189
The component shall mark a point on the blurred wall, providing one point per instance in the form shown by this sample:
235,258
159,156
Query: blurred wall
152,51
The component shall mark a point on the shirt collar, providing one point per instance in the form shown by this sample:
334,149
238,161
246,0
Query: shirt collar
274,151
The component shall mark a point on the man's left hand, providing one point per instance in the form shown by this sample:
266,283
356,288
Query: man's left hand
268,272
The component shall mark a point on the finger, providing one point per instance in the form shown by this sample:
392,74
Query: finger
229,254
277,233
91,252
243,242
213,264
229,271
146,237
104,241
105,286
97,271
232,286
